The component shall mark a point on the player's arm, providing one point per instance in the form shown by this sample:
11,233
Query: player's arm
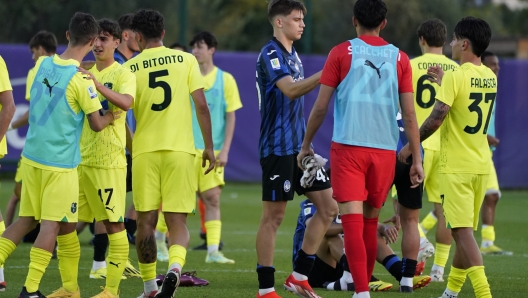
493,141
229,132
98,122
411,125
317,116
333,230
294,90
129,137
204,119
434,121
8,110
122,101
22,121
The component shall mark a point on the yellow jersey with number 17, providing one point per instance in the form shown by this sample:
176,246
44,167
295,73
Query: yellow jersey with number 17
5,85
425,91
470,91
165,78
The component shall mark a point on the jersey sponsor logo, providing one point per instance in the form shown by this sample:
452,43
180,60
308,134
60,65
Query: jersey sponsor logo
271,52
275,63
274,177
50,87
377,69
92,92
287,186
73,208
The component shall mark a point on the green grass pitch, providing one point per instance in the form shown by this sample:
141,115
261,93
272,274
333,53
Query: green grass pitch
241,207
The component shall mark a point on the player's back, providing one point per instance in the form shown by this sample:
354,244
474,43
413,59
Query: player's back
425,91
464,145
165,79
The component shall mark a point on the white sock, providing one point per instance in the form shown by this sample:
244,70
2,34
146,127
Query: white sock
150,286
299,276
2,275
432,214
449,294
160,236
361,295
175,265
406,281
486,243
212,248
98,265
347,277
437,268
263,292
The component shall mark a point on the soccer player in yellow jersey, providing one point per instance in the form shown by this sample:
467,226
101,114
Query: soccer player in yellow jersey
102,171
163,147
432,36
7,110
61,96
467,96
223,100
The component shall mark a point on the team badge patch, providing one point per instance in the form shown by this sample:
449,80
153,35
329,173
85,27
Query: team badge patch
74,208
275,63
287,186
108,85
92,92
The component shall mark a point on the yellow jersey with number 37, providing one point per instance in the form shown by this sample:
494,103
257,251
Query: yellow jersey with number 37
425,91
470,91
165,79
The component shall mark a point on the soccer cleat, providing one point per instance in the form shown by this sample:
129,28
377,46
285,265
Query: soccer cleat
406,289
189,279
2,286
299,288
426,251
437,276
163,251
98,274
379,286
104,294
150,295
421,281
26,294
62,293
269,295
419,268
203,246
130,271
494,250
218,257
170,284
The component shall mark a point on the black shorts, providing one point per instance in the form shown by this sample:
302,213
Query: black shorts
129,173
281,176
323,273
408,197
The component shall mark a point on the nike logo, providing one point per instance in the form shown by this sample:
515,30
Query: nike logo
274,177
111,209
271,52
112,263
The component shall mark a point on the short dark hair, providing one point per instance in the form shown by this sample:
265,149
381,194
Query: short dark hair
109,26
178,45
44,39
149,23
370,13
434,32
486,54
125,21
206,37
284,8
82,28
477,31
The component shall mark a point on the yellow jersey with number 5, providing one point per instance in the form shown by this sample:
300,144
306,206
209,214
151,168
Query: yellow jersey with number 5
470,91
165,78
425,91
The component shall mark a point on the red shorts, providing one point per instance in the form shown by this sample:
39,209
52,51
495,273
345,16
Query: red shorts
361,173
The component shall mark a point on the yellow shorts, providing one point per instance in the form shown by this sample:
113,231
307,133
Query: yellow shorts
211,180
49,195
462,196
431,182
102,194
164,178
493,182
18,175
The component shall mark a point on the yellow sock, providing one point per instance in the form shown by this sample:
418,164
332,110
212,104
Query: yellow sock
177,254
429,222
161,226
441,254
116,262
39,260
147,271
6,248
456,279
69,254
420,230
480,283
213,228
2,227
488,233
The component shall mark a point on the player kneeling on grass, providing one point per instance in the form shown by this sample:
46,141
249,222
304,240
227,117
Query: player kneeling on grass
330,268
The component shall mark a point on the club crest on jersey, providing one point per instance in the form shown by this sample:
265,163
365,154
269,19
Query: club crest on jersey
275,63
74,208
108,85
287,186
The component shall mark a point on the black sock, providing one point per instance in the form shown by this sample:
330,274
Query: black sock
304,263
343,261
130,226
266,276
100,245
408,267
394,265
